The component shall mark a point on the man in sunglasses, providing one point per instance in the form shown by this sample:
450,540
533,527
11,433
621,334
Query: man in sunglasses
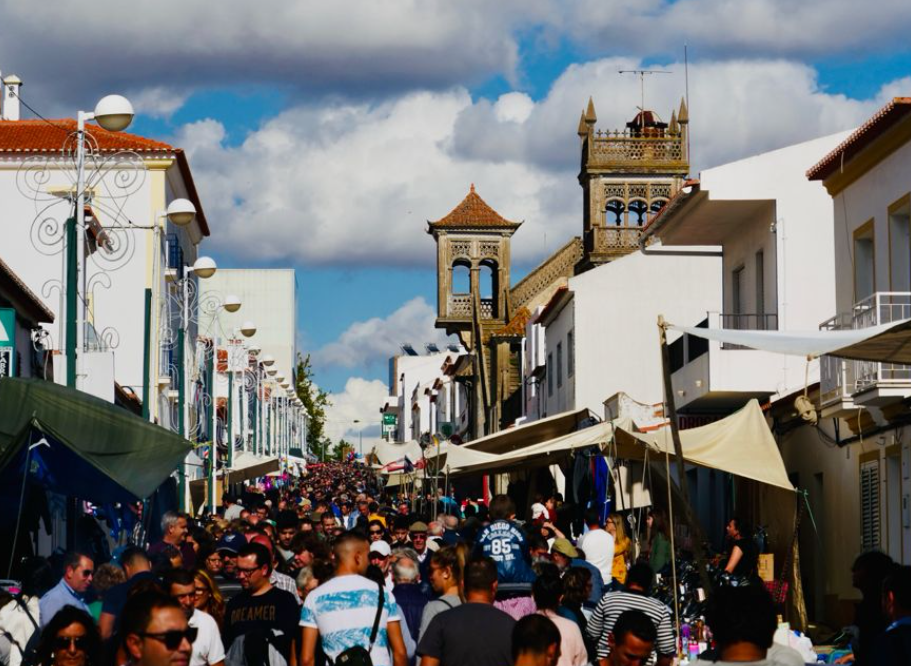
207,648
155,631
78,571
418,532
261,612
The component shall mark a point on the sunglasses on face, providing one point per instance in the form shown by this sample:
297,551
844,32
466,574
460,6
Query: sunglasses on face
376,531
73,643
418,535
173,639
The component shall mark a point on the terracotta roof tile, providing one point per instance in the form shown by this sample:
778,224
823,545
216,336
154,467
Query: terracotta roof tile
862,137
473,212
38,136
516,325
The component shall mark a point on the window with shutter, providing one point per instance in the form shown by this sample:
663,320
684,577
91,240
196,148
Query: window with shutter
869,506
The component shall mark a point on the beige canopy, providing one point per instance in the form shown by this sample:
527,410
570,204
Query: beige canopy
740,444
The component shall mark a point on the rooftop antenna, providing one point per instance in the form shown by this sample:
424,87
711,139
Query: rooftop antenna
642,73
686,80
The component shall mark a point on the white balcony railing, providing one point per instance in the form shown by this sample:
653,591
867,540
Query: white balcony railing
840,379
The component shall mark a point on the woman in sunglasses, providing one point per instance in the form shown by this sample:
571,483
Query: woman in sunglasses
376,531
70,639
208,596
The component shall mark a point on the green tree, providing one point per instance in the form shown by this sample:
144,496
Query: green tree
341,449
315,402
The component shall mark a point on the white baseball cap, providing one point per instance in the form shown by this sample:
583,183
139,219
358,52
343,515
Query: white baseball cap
381,547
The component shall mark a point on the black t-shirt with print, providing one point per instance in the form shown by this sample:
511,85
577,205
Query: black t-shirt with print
247,614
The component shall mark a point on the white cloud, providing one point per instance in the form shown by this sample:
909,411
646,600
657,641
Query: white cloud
353,184
158,101
364,48
366,343
745,27
358,46
360,401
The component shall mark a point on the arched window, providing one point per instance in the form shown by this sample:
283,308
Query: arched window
461,277
637,212
489,285
613,213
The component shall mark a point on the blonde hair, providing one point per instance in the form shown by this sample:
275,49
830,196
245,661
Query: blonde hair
216,601
621,541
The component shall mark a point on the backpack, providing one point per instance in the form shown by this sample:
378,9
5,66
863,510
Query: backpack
256,648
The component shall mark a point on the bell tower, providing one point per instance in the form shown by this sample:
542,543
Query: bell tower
472,267
626,177
473,256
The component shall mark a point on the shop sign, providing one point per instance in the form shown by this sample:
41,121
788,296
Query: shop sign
7,342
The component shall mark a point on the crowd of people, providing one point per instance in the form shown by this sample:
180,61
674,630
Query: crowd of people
328,568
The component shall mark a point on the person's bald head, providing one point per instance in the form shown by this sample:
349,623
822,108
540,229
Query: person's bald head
352,552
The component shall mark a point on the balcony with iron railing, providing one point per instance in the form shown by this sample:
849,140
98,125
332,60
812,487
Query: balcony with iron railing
845,384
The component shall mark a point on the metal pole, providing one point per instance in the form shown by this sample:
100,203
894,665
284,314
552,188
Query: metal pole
211,415
72,296
678,452
147,356
81,259
230,428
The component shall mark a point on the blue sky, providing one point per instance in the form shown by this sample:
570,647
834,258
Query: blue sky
334,131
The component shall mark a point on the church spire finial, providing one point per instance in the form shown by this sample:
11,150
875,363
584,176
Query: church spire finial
583,128
472,188
683,117
590,116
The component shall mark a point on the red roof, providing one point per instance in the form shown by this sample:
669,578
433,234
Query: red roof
861,138
473,212
516,326
39,136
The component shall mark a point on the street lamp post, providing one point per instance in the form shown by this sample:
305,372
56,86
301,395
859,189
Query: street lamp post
114,114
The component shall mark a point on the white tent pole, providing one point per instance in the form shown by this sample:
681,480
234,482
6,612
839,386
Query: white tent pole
670,517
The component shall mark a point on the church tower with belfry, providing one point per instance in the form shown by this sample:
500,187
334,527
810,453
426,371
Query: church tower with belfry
626,177
473,299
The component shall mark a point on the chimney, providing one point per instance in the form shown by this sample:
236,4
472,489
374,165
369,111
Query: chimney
9,110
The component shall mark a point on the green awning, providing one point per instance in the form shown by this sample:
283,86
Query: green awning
81,445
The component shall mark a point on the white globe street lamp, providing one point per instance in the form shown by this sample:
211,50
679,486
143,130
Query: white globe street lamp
181,212
248,329
205,267
114,113
268,360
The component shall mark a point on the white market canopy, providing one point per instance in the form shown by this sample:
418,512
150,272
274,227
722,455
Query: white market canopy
885,343
740,444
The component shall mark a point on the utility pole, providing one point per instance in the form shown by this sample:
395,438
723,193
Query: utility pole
678,453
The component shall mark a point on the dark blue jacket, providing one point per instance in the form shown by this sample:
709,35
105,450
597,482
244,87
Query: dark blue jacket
411,601
504,542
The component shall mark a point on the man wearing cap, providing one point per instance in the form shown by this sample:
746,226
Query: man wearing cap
228,547
418,532
379,556
565,555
